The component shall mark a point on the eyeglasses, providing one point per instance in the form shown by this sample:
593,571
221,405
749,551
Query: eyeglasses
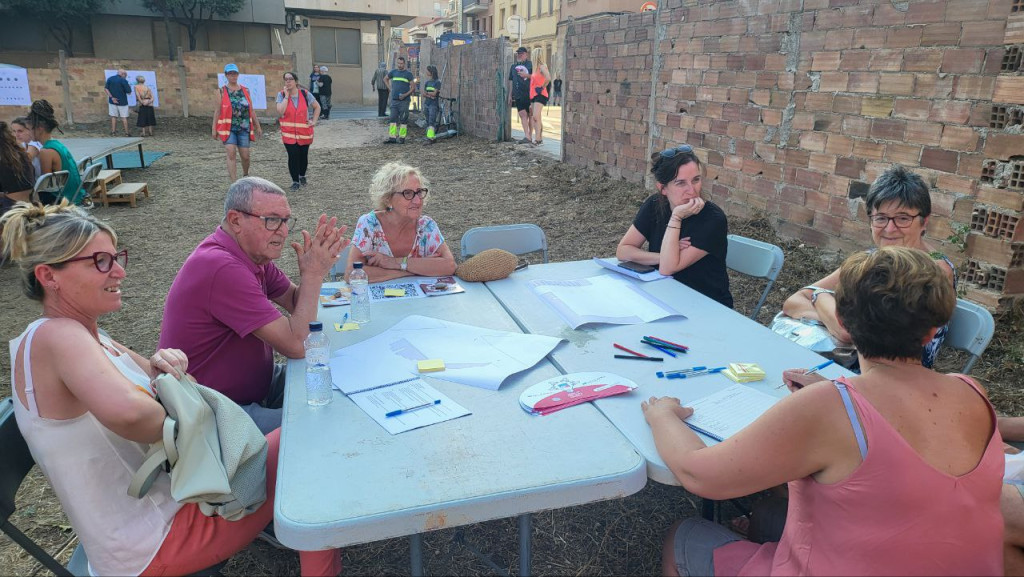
272,222
104,261
410,194
672,152
900,220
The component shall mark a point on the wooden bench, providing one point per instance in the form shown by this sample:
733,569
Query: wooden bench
103,182
126,192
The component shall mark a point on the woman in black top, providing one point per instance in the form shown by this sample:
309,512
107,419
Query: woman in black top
15,170
693,230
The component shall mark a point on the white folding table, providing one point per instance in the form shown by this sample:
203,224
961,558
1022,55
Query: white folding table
343,480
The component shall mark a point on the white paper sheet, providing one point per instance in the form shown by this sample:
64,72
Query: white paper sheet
379,402
723,414
257,85
472,356
14,89
601,299
612,264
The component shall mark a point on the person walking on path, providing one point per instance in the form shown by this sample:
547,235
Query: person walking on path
147,115
380,85
235,123
324,84
314,88
518,88
299,112
401,83
117,89
431,108
556,95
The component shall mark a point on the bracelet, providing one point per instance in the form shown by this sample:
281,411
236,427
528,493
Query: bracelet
675,227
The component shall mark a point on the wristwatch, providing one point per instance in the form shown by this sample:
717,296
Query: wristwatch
405,264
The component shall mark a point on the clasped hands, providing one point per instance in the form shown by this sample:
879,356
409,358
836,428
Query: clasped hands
319,251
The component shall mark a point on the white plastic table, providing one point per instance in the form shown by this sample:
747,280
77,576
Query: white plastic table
715,334
343,480
97,148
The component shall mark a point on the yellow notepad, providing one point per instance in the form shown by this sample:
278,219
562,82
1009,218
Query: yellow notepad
744,372
346,327
430,365
394,292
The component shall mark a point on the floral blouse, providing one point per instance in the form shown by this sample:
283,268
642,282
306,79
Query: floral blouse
369,236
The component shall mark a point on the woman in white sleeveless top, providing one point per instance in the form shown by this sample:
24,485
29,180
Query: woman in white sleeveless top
86,407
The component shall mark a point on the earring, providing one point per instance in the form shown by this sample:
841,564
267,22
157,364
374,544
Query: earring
390,208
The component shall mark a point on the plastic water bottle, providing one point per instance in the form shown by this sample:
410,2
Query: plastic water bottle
360,294
318,372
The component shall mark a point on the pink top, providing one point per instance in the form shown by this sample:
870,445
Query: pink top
218,299
894,515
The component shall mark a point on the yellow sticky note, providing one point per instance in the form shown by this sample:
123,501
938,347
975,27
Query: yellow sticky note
430,365
394,292
346,327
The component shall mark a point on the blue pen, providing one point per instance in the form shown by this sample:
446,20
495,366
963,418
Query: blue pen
666,351
397,412
695,373
344,319
817,368
680,371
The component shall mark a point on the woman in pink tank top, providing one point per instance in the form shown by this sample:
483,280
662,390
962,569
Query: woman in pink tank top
897,471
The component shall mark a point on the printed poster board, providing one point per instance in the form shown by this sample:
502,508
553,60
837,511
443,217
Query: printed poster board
14,90
257,85
150,77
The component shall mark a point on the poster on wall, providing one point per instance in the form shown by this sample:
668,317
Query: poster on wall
14,89
150,77
257,85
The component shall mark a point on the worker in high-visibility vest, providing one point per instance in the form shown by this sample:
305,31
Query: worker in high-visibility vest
294,105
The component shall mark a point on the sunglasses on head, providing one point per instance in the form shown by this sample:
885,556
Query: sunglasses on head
672,152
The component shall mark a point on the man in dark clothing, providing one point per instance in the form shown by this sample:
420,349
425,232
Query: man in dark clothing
402,84
380,84
556,97
519,89
117,89
325,93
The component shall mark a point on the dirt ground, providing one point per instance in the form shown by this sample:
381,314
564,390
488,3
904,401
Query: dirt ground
473,183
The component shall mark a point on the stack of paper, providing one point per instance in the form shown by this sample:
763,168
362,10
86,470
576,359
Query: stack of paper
744,372
565,391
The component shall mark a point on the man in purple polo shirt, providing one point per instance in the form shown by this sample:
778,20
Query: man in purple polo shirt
222,309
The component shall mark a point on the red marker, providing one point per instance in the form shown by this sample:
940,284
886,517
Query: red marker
622,348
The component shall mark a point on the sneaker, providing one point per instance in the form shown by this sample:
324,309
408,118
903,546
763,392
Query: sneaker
525,141
295,186
431,141
401,141
302,180
391,140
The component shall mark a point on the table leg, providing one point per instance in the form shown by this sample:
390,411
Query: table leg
142,158
416,555
110,162
525,534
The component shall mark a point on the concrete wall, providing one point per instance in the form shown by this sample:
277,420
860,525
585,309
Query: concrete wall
475,74
798,105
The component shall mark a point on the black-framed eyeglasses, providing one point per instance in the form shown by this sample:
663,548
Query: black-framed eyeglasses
104,261
272,223
900,220
410,194
672,152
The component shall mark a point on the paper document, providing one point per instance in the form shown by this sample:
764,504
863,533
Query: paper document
723,414
613,264
415,393
472,356
601,299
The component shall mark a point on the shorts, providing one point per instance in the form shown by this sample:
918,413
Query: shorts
117,111
694,545
239,139
521,102
540,99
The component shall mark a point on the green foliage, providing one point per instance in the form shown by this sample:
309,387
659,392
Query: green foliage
59,16
192,14
959,234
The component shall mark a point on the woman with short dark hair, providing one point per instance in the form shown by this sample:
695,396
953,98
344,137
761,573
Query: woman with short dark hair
897,471
686,236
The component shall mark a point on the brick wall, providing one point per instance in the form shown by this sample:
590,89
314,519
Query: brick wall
475,74
799,105
88,100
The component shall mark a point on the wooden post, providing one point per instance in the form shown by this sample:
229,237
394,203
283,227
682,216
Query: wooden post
183,81
65,84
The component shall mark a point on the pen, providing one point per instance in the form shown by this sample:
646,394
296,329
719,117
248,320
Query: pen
344,319
817,368
669,342
662,345
397,412
631,357
632,352
680,371
695,373
666,351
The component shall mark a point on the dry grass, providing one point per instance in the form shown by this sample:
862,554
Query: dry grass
473,183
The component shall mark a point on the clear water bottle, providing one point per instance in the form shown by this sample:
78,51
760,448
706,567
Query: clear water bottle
360,294
318,371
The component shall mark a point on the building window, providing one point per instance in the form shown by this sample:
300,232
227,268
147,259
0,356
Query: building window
502,22
551,6
539,7
514,9
529,10
337,46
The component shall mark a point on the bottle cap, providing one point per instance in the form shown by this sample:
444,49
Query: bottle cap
357,264
316,326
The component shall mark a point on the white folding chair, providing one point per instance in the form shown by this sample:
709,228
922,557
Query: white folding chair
517,239
90,176
338,270
83,163
970,330
51,183
757,259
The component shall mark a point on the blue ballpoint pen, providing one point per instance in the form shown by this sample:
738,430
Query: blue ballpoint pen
817,368
397,412
666,351
695,373
344,319
663,374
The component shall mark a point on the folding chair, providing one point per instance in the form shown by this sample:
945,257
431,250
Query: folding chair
970,330
337,273
757,259
91,179
51,183
517,239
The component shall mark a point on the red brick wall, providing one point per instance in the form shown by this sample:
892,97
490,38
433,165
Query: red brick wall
798,106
